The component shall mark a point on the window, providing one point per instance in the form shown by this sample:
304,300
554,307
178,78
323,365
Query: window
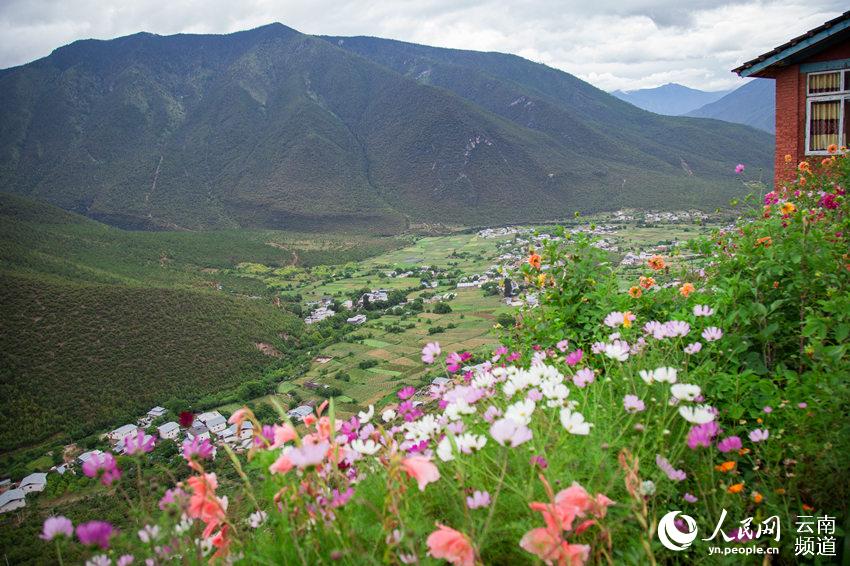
827,105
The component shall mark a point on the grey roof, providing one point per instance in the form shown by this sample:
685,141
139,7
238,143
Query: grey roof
197,430
86,455
215,421
167,427
11,495
127,428
301,411
36,478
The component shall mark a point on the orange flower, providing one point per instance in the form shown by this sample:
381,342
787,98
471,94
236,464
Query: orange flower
451,545
635,292
788,158
766,242
776,284
204,504
780,490
757,497
736,488
802,181
686,290
826,161
656,262
534,261
727,466
832,148
788,208
743,451
646,282
808,507
804,166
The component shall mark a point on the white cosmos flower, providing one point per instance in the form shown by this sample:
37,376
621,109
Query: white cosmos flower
459,407
647,375
365,417
468,442
574,423
665,375
444,450
698,414
555,392
388,415
366,447
685,391
520,412
617,350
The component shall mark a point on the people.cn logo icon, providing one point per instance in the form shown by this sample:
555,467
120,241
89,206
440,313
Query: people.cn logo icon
670,535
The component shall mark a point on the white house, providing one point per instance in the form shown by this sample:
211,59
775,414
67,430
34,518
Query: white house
157,412
204,417
359,319
11,500
169,430
198,432
122,432
216,424
85,456
300,412
33,482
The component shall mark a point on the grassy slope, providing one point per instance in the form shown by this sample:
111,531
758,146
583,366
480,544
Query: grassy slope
99,324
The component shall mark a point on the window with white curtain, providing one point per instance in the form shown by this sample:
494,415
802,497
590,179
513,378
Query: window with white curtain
827,104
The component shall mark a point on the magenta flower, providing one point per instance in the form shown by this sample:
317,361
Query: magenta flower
430,352
514,356
139,443
499,352
802,405
712,333
574,357
583,377
103,467
771,198
759,435
173,496
739,168
702,435
690,498
406,392
768,409
539,461
341,498
95,533
478,499
58,526
729,444
669,470
455,360
633,404
197,449
509,432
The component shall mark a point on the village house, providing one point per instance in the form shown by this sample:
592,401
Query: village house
85,456
157,412
200,432
122,432
11,500
33,482
216,424
812,74
358,319
300,412
169,430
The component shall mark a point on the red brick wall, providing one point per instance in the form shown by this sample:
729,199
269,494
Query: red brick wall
790,122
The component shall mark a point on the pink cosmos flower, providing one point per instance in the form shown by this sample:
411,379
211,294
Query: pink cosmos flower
690,498
534,395
739,168
283,434
583,377
694,348
95,533
421,469
139,443
759,435
633,404
430,352
492,413
729,444
563,345
702,435
669,470
102,466
58,526
674,328
553,549
802,405
539,461
768,409
310,453
703,310
514,356
197,449
508,432
451,545
239,416
771,198
173,496
454,361
478,499
712,333
282,465
498,353
125,560
574,357
406,392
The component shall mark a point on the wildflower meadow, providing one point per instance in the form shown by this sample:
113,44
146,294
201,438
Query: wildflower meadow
716,387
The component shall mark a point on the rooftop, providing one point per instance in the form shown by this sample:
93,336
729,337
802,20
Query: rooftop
36,478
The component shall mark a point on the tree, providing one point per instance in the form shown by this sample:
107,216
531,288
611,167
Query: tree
442,308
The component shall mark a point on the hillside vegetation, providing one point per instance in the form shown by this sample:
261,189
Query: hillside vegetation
99,324
271,128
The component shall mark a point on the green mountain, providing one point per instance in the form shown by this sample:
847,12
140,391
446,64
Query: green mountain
753,104
98,324
271,128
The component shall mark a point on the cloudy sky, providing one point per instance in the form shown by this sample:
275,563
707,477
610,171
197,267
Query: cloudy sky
626,44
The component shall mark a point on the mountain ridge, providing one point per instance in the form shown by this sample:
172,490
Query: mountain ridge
752,104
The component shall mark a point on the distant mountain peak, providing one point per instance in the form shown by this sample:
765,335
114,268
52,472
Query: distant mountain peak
672,99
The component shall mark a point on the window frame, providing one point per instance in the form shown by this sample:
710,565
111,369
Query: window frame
841,95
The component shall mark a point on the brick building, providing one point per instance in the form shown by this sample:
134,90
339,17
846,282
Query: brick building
812,74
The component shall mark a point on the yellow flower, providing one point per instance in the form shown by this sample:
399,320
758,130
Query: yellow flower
788,208
788,158
628,318
541,279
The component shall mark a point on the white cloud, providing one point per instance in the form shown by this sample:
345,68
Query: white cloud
625,44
